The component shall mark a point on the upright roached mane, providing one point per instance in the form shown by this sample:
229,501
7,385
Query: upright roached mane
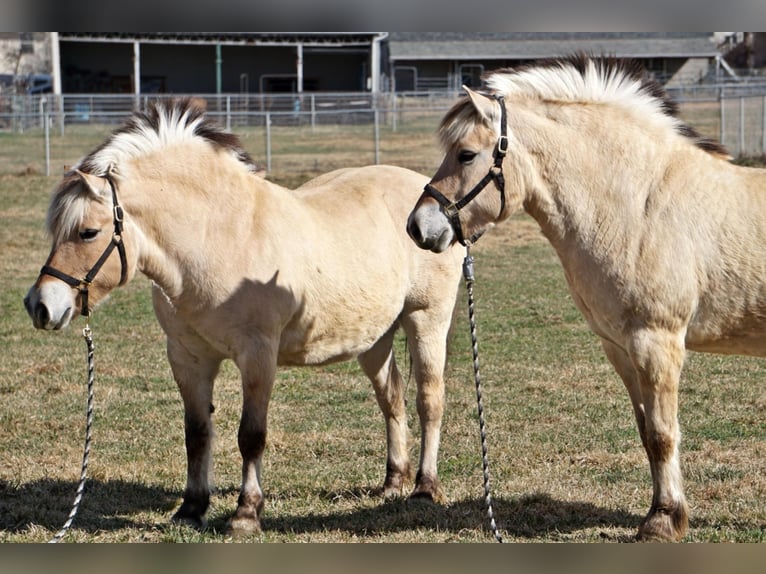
163,124
247,270
661,237
580,79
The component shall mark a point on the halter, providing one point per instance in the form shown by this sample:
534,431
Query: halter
452,208
82,284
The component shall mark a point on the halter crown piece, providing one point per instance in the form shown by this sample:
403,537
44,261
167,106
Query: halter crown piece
83,284
452,208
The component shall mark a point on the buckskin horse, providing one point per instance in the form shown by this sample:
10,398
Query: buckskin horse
662,239
250,271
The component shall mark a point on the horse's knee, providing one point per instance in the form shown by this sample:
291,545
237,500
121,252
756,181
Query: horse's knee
665,523
251,439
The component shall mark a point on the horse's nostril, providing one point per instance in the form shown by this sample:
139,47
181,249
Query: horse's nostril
414,230
41,316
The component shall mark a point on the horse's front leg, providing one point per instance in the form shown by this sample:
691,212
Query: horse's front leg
258,371
427,339
658,357
194,373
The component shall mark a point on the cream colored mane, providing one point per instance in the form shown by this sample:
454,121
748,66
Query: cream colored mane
579,79
162,125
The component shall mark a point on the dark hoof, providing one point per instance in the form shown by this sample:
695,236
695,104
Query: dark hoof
428,488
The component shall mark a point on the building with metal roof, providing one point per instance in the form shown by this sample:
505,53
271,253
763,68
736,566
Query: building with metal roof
446,60
265,62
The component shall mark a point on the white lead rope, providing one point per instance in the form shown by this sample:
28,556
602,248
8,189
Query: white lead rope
469,280
87,334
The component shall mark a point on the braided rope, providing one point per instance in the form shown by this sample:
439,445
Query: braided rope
86,333
469,280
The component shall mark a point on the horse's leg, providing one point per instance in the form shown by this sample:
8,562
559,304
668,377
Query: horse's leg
624,366
427,338
379,364
658,357
194,372
258,370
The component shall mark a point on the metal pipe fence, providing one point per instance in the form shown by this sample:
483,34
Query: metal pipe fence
313,132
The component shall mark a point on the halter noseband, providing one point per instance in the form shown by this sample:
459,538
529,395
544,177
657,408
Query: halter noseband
452,208
83,284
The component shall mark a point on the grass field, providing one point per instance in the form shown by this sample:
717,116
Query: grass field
566,462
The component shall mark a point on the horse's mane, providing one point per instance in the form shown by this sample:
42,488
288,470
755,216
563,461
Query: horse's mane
582,78
163,123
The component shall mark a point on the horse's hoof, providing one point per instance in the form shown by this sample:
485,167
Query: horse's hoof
393,487
196,522
240,526
664,525
428,489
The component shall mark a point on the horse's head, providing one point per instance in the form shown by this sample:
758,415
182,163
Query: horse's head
88,258
474,135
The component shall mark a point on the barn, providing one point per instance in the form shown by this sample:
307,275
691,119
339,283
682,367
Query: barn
269,62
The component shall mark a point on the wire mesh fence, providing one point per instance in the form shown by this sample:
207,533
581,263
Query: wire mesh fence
310,133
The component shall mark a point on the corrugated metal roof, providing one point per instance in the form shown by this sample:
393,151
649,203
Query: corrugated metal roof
455,46
228,38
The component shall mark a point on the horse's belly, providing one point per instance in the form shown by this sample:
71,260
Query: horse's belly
749,339
314,342
322,351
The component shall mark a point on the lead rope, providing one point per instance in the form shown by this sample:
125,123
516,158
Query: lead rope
469,280
87,334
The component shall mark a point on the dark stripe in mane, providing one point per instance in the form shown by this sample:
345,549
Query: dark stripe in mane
633,70
188,110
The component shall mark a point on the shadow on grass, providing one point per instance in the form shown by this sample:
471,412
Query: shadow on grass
105,505
110,505
530,516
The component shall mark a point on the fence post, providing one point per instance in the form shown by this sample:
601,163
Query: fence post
763,128
268,142
61,108
722,104
741,126
46,118
313,113
376,116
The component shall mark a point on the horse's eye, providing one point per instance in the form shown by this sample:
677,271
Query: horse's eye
466,156
89,234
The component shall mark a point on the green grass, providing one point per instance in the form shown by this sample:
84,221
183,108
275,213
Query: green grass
566,462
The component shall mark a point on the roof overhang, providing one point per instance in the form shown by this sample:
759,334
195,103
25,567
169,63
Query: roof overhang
309,39
401,51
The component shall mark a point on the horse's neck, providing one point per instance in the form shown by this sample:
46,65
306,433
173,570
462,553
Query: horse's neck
585,195
191,225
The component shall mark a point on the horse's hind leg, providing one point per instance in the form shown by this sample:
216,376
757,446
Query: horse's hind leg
657,359
379,364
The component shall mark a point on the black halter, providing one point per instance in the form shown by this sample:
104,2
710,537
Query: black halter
83,284
452,208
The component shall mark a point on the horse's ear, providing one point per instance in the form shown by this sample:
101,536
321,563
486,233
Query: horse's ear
95,184
485,105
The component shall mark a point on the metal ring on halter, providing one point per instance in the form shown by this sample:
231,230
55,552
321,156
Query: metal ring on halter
82,284
452,209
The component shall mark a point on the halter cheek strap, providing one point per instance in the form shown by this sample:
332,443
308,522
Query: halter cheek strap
452,209
83,284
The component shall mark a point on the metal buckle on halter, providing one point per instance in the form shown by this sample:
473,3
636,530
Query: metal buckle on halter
451,210
502,145
118,214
